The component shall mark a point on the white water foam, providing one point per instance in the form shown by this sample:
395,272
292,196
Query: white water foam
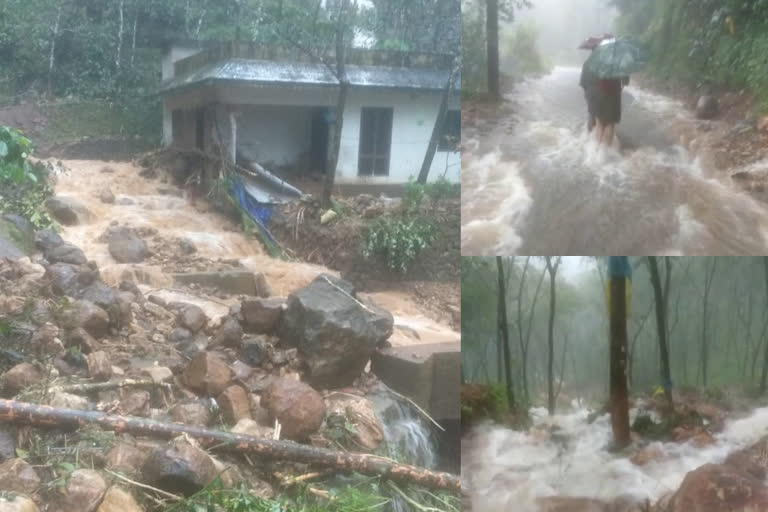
507,470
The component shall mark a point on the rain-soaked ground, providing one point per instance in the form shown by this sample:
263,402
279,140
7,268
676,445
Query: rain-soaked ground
533,182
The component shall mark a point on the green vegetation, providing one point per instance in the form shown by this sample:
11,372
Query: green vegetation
719,44
483,401
401,239
99,118
23,186
524,49
367,495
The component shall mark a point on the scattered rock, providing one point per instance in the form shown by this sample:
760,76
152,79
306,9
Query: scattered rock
262,315
85,490
262,286
192,317
80,338
762,124
707,107
18,476
7,442
334,331
69,401
99,366
17,503
135,404
751,460
179,335
180,468
17,378
126,246
241,370
252,352
47,240
66,253
715,488
368,432
192,413
126,458
648,454
46,340
118,500
89,316
101,295
64,279
158,374
207,373
229,334
299,408
250,428
68,211
106,196
234,404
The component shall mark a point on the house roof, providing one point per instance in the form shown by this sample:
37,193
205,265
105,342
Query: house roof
265,72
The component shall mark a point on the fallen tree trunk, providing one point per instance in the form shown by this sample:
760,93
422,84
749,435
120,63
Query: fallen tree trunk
45,416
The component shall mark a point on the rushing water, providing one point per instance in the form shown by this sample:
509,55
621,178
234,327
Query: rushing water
140,204
541,187
506,470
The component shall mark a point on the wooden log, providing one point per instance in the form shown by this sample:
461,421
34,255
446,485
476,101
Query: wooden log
46,416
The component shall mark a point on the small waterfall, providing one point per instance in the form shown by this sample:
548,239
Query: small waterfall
408,435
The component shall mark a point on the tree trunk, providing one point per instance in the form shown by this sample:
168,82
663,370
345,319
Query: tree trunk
426,165
492,36
618,385
552,269
661,327
133,38
710,274
120,37
503,332
765,360
52,53
44,416
335,135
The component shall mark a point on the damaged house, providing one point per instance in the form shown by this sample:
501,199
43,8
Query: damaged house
275,107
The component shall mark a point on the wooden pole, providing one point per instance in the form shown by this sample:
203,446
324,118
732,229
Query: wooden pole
46,416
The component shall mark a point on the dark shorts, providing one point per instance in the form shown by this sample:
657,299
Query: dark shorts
606,108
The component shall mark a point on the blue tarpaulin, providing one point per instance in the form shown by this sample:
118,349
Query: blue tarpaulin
618,266
260,213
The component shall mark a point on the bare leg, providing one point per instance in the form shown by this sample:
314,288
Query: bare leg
610,130
599,132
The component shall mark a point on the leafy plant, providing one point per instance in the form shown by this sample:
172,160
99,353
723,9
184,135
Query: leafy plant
399,240
413,196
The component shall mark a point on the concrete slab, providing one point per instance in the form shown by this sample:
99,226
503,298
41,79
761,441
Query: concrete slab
229,281
429,374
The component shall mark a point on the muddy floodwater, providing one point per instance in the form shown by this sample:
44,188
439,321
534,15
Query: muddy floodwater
139,203
533,182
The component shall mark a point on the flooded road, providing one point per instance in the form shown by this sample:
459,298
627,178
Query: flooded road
506,470
142,203
534,183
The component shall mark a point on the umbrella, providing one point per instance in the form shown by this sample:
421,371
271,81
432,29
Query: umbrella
591,42
617,58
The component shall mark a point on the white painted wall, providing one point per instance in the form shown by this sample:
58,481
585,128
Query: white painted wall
412,124
275,128
275,133
175,54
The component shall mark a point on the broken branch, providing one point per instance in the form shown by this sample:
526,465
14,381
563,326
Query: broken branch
92,387
45,416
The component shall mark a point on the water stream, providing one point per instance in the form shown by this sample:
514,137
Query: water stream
507,470
535,184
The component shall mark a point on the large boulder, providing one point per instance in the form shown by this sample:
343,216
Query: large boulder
335,332
299,408
68,211
64,279
719,488
207,373
357,412
707,107
192,317
118,500
17,503
89,316
234,404
126,246
16,475
47,240
84,492
180,468
19,377
262,315
751,460
66,253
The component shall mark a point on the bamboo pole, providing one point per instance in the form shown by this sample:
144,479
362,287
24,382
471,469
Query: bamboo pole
46,416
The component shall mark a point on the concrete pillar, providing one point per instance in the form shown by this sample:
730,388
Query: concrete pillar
233,135
167,124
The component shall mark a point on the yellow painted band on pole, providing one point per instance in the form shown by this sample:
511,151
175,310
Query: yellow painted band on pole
628,289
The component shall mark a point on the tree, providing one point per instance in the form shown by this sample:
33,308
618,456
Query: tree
619,271
492,42
552,270
661,325
708,277
503,333
526,340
